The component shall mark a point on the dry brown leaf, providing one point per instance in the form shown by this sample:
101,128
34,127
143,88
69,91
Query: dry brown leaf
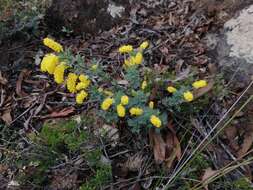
3,168
3,80
247,143
158,146
63,113
201,91
134,162
231,133
176,142
136,186
209,172
24,73
166,146
6,116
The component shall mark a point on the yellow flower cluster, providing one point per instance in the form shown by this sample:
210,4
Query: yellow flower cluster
71,82
53,44
121,110
134,60
151,104
81,96
124,100
135,111
59,73
188,96
126,49
49,63
84,82
106,104
144,45
171,89
199,84
144,84
155,121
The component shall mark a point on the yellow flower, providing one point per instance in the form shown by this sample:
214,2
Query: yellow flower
82,85
144,85
171,89
124,100
108,93
121,110
155,121
53,44
126,49
144,45
106,104
199,84
49,63
138,58
81,96
85,82
136,111
94,67
83,78
188,96
59,73
130,61
71,82
151,104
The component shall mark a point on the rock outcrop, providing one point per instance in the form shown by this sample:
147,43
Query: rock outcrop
86,16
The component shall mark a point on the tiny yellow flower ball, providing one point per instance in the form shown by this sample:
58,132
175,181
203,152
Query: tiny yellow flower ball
127,63
100,89
144,45
155,121
199,84
135,111
121,110
83,78
82,85
48,63
53,44
94,67
188,96
71,82
124,100
144,85
81,96
59,73
138,58
171,89
106,104
151,104
126,49
108,93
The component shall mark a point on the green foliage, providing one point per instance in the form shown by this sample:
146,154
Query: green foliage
39,160
102,176
64,133
21,16
193,171
133,77
49,148
242,184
